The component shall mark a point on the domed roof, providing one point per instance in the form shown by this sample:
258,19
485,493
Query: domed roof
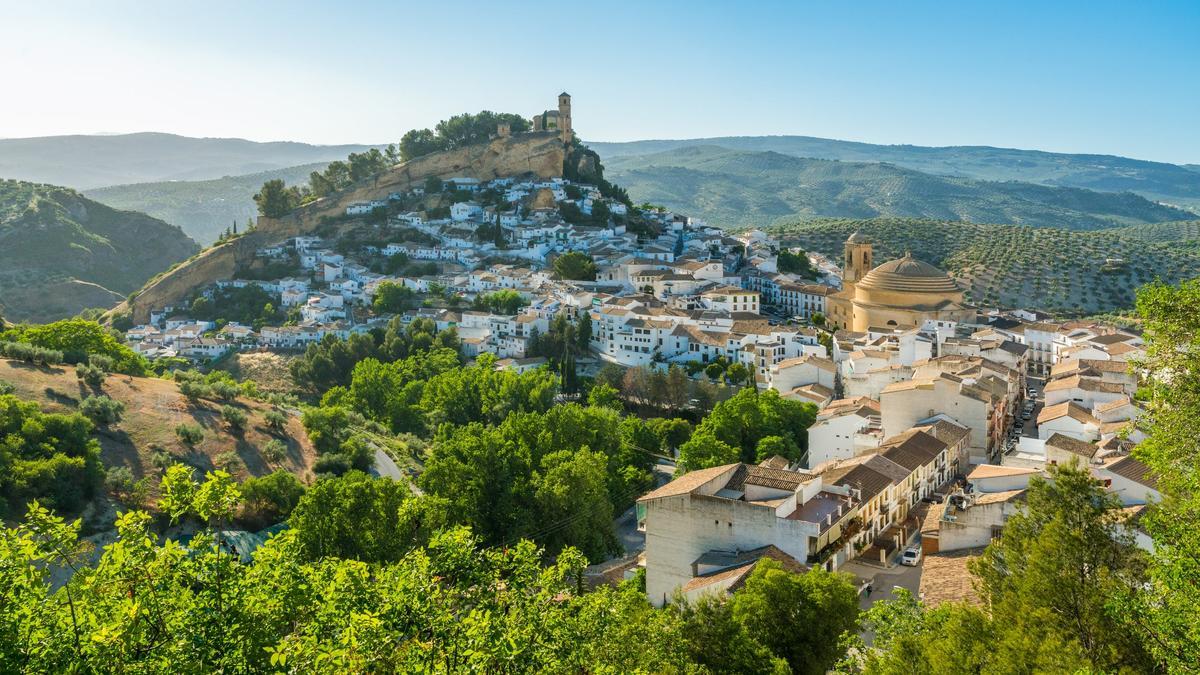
858,238
909,275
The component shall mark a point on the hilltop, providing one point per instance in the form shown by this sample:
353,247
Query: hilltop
1157,181
1013,266
61,252
736,188
202,208
539,154
86,162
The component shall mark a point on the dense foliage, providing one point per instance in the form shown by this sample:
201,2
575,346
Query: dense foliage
575,266
749,427
1051,585
457,131
77,340
330,362
796,263
249,305
48,457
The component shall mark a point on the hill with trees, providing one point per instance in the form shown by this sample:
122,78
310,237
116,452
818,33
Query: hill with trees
201,208
86,162
736,188
1157,181
61,253
1063,271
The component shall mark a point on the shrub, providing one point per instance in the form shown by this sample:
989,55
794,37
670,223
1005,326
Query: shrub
91,375
195,390
274,450
228,461
234,417
102,409
226,391
104,363
160,458
23,351
6,387
120,483
275,420
271,498
336,464
189,434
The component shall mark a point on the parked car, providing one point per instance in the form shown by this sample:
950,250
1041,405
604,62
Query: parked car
911,556
1026,415
1032,393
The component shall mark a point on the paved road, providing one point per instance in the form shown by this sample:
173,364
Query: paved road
626,523
386,466
884,583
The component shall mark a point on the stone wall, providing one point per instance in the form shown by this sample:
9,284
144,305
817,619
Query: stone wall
539,154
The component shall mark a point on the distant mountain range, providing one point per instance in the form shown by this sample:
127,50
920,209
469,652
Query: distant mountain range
61,252
86,162
1158,181
202,208
740,188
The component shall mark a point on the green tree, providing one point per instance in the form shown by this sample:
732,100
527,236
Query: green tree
1167,613
270,498
393,298
719,642
799,617
355,517
234,417
275,199
1058,565
605,396
575,266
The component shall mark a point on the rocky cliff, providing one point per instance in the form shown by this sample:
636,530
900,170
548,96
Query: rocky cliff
539,154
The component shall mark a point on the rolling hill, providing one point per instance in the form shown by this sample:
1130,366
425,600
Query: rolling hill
85,162
1062,271
202,208
61,252
734,188
1158,181
153,408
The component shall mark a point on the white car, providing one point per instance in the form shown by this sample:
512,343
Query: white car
911,556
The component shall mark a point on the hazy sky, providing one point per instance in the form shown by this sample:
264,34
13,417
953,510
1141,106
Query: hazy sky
1120,78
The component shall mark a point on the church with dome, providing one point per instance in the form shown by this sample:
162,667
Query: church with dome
901,293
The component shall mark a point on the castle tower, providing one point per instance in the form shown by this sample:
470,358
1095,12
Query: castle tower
564,117
859,261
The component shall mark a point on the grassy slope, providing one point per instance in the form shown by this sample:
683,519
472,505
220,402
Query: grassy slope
1015,266
1156,180
202,208
51,236
738,189
153,407
85,162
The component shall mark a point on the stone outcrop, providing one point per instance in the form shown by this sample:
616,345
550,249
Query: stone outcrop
539,154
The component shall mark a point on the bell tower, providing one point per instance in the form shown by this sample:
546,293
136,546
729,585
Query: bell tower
564,117
859,259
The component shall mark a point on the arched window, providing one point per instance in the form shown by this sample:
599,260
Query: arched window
891,323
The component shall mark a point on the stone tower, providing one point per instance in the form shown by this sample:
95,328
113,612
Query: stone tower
858,259
564,117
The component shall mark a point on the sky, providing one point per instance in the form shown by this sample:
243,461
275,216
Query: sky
1095,77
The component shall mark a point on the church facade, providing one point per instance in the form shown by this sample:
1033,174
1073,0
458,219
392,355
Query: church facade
901,293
